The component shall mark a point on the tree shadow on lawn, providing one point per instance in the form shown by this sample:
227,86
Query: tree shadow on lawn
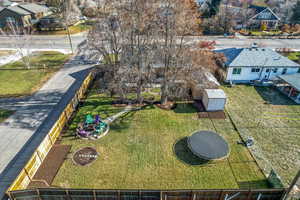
185,108
272,96
185,155
254,184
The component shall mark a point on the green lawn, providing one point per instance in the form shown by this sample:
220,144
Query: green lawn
274,122
4,114
259,3
147,149
265,33
294,56
15,80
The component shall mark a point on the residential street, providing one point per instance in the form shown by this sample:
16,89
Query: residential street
46,41
22,132
62,42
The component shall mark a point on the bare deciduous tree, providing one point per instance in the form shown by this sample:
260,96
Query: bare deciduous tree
21,41
176,21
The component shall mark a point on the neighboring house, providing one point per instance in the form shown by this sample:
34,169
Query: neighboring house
263,15
290,86
244,65
36,11
6,3
16,16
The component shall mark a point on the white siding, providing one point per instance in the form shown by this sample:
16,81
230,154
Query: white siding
213,104
247,75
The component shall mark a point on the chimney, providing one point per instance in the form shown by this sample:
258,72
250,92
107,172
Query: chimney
254,45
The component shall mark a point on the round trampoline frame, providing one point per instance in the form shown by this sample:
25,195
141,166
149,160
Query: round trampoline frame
204,157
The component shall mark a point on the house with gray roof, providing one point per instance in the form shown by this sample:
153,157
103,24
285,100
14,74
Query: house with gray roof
245,65
263,15
37,11
15,15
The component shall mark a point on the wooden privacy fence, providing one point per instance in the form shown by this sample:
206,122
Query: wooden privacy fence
27,173
79,194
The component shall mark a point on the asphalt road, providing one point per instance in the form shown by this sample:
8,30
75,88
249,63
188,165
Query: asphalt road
62,42
46,42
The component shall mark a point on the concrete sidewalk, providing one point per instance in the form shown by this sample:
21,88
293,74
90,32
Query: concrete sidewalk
22,132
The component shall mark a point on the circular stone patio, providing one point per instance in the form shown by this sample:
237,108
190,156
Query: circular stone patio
208,145
85,156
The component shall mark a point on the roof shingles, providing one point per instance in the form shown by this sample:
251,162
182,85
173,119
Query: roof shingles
255,57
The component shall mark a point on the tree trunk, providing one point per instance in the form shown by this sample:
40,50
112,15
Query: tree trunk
164,93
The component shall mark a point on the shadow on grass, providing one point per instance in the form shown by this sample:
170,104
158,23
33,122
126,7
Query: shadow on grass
272,96
185,155
254,184
185,108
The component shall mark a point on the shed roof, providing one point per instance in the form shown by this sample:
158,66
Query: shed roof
215,93
254,56
33,8
292,79
17,10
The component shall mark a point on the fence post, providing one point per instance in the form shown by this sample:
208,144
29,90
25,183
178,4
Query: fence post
38,193
94,194
221,195
194,195
249,195
119,195
140,195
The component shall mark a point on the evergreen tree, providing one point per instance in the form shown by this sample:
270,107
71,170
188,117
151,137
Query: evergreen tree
213,8
295,18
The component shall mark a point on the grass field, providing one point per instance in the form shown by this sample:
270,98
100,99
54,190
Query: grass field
16,80
147,149
274,122
4,114
294,56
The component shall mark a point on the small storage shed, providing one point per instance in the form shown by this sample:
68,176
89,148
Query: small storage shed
214,99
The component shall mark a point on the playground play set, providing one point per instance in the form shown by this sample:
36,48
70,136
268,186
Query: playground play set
92,128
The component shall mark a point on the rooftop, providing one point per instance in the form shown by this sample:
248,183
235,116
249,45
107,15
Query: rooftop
255,56
34,8
292,79
215,93
18,10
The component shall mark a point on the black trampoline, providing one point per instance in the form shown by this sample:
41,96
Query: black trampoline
208,145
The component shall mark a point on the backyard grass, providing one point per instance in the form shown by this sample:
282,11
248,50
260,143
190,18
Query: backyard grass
147,149
295,56
16,80
4,114
273,121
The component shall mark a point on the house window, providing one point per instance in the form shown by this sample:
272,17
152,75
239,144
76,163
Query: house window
11,20
284,71
236,71
298,70
275,70
255,70
267,70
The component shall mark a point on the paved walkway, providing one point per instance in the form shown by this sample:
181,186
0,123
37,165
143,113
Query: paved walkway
22,132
